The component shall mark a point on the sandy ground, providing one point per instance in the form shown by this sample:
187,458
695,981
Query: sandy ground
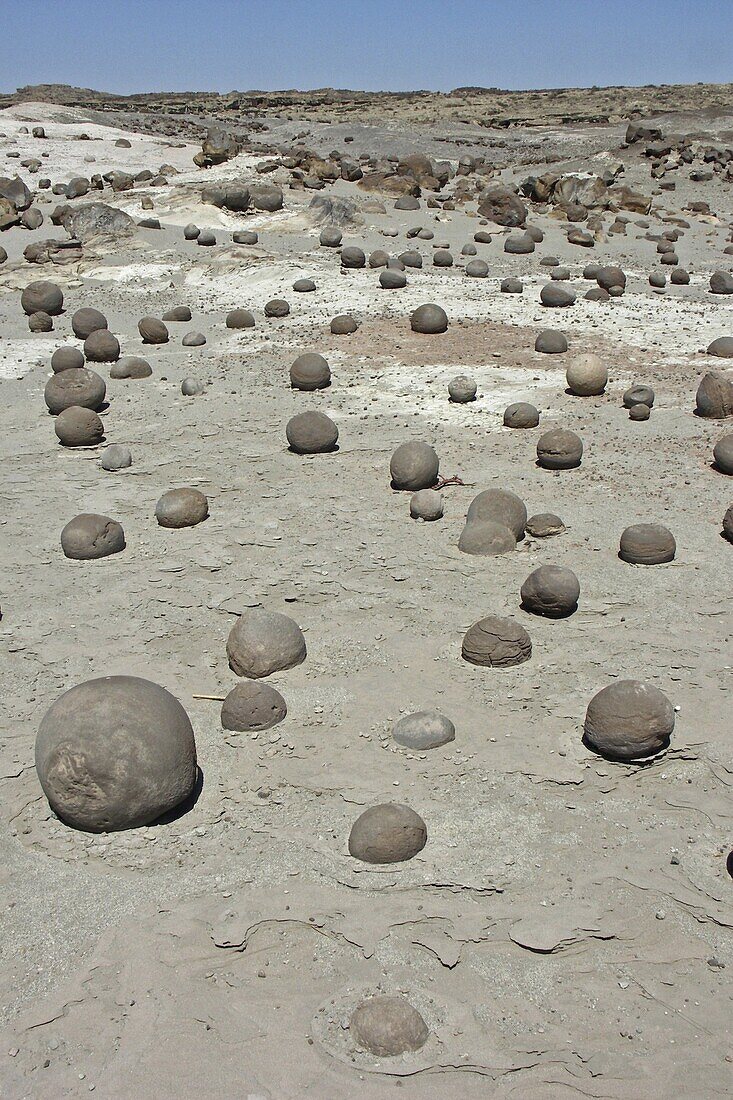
566,929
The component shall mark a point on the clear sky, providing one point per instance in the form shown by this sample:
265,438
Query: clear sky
220,45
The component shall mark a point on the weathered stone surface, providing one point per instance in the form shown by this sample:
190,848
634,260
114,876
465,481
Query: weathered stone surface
628,720
388,833
262,642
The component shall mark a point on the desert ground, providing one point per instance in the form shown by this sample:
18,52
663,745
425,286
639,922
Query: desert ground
566,928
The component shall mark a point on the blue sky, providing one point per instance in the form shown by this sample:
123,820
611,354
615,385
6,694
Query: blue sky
219,45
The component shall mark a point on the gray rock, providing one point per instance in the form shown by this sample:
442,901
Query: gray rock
462,389
723,454
512,285
131,366
500,205
521,415
497,643
74,386
392,280
277,308
628,720
551,591
343,325
499,506
262,642
266,196
78,427
388,833
426,504
387,1027
310,371
252,706
240,318
425,729
66,358
181,508
413,466
647,544
477,269
551,342
545,525
42,297
429,319
559,450
89,536
192,387
193,340
714,398
101,346
178,313
519,244
721,282
638,395
95,219
486,538
352,257
304,286
86,321
554,295
116,457
311,432
722,347
245,236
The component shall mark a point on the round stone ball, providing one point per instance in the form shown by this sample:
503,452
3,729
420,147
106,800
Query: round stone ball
639,412
610,277
597,294
647,544
101,346
512,285
559,449
442,258
252,706
426,504
388,833
152,330
486,538
499,506
40,322
42,297
75,386
193,340
131,366
310,371
714,398
628,720
638,395
723,454
304,286
86,321
414,466
658,279
497,643
392,280
181,508
586,375
545,525
192,387
191,231
387,1027
115,753
411,259
78,427
66,358
551,342
330,237
262,642
429,319
462,389
521,415
240,318
425,729
206,238
722,347
477,269
277,307
552,591
343,325
177,313
89,536
116,457
311,433
351,256
728,524
554,295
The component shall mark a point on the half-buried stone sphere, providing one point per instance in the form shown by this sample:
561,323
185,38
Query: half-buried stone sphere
414,466
240,318
647,544
116,457
497,643
42,297
429,319
462,389
351,256
252,706
425,729
485,538
388,833
102,346
86,321
551,342
115,753
277,307
66,358
628,720
177,313
521,415
387,1027
343,325
559,450
88,536
638,395
545,525
181,508
714,398
639,412
311,433
131,366
40,322
426,504
152,330
310,372
552,591
76,386
499,506
586,376
330,237
392,280
723,454
262,642
722,347
78,427
554,295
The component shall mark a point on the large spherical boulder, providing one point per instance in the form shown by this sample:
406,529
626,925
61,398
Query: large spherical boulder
552,591
486,538
89,536
152,330
496,642
66,358
429,319
388,833
102,346
240,318
311,433
387,1027
42,297
425,729
181,508
586,375
115,753
262,642
628,720
462,389
86,321
310,371
499,506
414,466
551,342
647,544
559,450
723,454
521,415
426,504
75,386
78,427
714,397
252,706
351,256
